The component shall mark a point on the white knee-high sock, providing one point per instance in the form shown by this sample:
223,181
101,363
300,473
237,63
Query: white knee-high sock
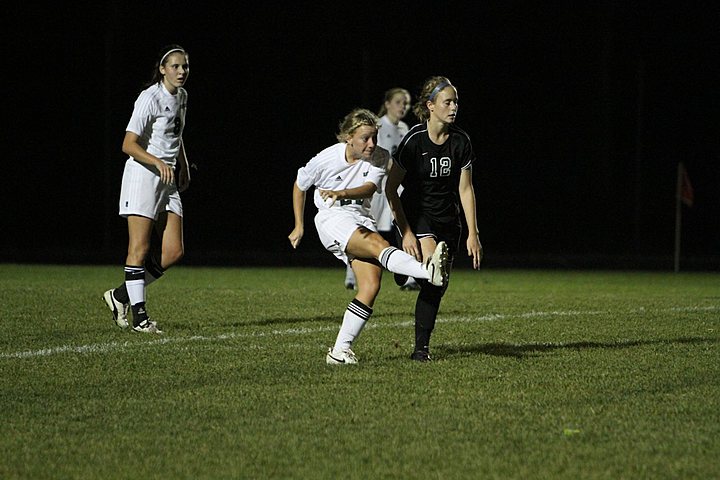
354,320
153,271
397,261
135,284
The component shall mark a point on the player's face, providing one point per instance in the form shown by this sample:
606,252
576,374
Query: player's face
175,71
362,142
445,106
397,106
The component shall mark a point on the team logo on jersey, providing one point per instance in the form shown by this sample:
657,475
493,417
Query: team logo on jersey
365,174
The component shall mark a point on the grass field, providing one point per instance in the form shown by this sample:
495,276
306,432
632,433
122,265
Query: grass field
538,374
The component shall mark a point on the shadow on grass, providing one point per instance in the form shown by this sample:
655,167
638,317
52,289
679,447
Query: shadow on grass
335,319
264,322
521,351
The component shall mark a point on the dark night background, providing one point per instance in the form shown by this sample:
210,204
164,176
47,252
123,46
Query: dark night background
579,113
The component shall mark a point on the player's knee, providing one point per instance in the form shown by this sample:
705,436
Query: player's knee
379,242
173,255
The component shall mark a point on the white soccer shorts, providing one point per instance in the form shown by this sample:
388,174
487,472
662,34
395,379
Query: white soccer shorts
336,225
143,194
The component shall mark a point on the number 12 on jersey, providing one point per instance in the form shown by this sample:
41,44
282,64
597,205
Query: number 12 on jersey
440,168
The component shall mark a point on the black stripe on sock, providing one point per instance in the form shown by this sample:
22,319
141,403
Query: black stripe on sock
360,309
385,256
134,273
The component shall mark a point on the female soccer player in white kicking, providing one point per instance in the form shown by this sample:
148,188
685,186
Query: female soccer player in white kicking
396,103
150,193
345,176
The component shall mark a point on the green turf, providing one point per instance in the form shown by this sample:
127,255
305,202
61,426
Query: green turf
538,374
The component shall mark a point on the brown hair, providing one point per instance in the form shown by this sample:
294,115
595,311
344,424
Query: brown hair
430,89
162,58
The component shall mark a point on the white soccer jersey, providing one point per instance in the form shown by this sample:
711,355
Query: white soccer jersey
329,170
389,137
158,119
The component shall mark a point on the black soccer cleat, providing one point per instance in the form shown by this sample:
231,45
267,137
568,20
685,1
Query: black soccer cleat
421,356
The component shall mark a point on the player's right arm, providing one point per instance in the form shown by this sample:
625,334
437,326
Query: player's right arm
366,190
298,197
132,147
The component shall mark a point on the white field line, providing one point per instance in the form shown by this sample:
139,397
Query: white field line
101,348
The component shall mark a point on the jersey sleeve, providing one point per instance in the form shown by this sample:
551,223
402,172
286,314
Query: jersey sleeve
376,175
142,114
468,155
308,175
403,155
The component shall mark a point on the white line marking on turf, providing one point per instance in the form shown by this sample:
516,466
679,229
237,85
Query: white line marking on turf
101,348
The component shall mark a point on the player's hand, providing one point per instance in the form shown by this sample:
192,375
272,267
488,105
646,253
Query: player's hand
183,179
475,250
329,194
167,174
295,236
411,246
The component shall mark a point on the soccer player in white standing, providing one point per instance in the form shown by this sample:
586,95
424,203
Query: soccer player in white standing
345,177
150,192
396,103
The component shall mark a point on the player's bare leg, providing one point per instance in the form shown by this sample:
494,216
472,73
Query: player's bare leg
170,228
368,274
139,237
367,244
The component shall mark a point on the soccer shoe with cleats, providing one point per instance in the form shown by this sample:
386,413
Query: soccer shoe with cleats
119,310
340,357
421,356
437,265
147,326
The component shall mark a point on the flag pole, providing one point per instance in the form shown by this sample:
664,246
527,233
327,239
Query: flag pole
678,215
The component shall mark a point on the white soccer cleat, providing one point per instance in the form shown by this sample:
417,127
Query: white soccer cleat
119,310
437,265
147,326
340,357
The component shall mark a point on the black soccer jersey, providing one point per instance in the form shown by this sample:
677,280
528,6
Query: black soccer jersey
432,173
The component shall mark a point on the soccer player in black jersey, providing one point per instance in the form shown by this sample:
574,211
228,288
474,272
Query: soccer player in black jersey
433,163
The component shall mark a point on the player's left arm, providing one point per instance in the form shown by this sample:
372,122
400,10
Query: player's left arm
184,167
467,199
